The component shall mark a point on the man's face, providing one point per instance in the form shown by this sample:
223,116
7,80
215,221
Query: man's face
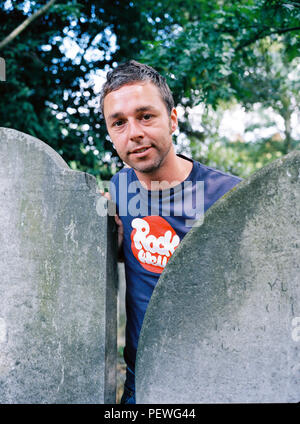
139,125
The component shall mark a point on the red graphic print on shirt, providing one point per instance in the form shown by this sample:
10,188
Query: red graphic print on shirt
153,241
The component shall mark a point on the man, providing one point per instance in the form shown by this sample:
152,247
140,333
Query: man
159,195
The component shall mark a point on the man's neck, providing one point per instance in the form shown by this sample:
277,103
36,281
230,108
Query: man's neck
172,172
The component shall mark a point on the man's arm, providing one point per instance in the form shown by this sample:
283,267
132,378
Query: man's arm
120,238
120,230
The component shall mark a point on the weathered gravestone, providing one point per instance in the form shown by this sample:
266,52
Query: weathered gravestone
57,280
223,324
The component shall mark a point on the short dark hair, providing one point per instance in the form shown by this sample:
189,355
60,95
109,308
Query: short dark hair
131,72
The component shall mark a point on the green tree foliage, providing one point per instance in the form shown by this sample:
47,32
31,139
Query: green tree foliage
273,80
270,86
221,52
207,45
248,152
48,94
217,52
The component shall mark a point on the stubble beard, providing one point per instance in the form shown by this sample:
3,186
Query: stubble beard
152,167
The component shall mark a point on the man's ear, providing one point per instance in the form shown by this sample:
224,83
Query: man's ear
173,120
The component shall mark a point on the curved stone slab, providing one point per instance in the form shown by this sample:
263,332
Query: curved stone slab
57,280
223,324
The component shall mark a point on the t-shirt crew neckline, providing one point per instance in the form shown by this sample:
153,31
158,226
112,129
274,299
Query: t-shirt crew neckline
175,188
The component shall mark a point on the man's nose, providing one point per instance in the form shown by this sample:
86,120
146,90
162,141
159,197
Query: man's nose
135,129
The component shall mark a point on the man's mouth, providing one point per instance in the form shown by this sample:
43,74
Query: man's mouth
141,151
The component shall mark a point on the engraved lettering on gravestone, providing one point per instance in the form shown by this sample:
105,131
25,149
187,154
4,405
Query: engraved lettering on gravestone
272,285
296,330
292,306
69,232
2,69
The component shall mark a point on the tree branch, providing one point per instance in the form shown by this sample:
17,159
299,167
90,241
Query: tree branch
25,24
252,40
261,34
283,30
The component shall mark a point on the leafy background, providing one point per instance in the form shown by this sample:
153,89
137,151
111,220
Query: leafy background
216,55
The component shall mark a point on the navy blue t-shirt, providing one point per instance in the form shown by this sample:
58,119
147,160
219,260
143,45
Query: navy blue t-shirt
155,221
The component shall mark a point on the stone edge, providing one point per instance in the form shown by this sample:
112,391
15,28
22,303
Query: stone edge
20,136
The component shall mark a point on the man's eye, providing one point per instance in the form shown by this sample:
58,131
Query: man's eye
118,123
147,116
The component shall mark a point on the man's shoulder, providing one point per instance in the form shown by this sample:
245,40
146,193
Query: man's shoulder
216,182
208,171
202,172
